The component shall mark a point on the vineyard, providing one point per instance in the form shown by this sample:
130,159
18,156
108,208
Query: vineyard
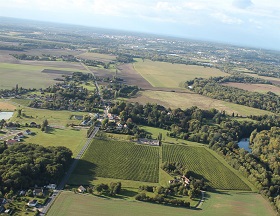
120,160
203,163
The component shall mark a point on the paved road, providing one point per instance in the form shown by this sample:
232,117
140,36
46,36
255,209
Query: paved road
67,175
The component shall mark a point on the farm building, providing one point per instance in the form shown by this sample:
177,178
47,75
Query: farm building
32,203
152,142
81,189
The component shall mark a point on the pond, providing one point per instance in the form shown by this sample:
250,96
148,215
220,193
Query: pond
244,143
6,115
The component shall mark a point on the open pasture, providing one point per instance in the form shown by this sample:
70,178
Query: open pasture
162,74
28,76
97,56
203,164
221,203
189,99
261,88
118,160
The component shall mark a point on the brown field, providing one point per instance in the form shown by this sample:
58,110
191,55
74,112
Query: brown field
6,106
6,58
189,99
261,88
55,52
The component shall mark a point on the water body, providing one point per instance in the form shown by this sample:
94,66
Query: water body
6,115
244,143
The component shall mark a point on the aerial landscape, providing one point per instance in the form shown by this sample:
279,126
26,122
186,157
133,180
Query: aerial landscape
98,119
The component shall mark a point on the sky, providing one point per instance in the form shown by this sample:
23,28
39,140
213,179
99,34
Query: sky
253,23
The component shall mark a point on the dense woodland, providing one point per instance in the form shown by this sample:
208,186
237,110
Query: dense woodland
22,166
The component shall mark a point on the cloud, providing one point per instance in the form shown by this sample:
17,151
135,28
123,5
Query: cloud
226,19
242,4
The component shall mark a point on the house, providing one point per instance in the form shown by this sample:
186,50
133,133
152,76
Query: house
20,135
38,191
51,186
2,208
33,124
27,132
32,203
2,201
22,193
81,189
11,141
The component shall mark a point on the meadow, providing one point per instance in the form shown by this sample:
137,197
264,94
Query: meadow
187,100
118,160
203,164
221,203
168,75
30,75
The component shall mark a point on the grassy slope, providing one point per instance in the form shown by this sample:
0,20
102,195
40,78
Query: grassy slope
186,100
162,74
225,203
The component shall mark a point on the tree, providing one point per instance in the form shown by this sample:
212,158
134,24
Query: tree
44,126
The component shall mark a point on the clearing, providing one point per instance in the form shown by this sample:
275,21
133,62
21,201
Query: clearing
168,75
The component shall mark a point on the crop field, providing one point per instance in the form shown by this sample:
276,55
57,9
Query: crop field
27,76
204,164
119,160
187,100
221,203
273,80
261,88
162,74
97,56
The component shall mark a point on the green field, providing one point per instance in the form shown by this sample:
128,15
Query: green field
70,138
221,203
203,164
28,76
187,100
117,160
97,56
162,74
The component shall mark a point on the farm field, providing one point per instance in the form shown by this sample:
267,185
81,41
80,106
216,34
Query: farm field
118,160
261,88
29,75
162,74
4,106
70,138
97,56
274,80
203,163
221,203
187,100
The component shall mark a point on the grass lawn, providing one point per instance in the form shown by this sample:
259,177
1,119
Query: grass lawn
27,75
72,139
187,100
223,203
162,74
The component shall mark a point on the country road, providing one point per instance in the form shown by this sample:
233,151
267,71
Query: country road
67,174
